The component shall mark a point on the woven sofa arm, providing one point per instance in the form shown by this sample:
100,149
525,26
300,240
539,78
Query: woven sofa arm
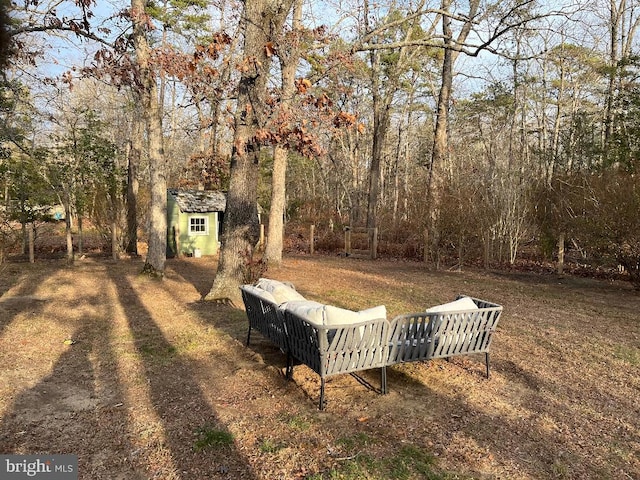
334,349
264,316
423,336
481,303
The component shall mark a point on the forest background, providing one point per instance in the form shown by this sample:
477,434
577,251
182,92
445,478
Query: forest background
462,132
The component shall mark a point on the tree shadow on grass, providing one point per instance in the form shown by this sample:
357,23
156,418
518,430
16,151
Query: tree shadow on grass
199,272
452,423
24,280
516,432
517,423
79,408
233,322
198,443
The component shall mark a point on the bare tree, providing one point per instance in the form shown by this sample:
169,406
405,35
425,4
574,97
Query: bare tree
263,22
384,88
289,56
134,157
624,19
148,93
435,184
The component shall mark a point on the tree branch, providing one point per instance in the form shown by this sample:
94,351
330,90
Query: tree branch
457,45
418,13
59,28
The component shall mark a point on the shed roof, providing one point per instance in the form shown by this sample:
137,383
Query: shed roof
199,201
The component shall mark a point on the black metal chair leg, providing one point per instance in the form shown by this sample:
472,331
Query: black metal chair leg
383,380
322,394
248,336
487,362
289,369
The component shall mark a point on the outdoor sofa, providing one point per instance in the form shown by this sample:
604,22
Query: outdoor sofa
331,340
461,327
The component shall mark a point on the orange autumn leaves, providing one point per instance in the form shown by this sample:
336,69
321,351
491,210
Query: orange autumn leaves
299,128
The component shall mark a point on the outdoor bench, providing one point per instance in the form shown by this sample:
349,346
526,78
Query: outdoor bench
331,340
462,327
264,315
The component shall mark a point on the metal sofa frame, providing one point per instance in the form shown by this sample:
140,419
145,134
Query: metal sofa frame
350,348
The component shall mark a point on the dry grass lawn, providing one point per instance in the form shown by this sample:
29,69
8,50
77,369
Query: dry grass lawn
142,380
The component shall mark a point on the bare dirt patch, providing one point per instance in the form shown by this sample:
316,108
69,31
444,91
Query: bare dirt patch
141,379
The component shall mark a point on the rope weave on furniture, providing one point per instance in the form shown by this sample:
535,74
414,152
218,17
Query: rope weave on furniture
410,338
336,349
424,336
348,348
266,318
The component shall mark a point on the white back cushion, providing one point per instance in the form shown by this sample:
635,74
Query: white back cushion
339,316
462,304
312,312
328,315
280,291
258,292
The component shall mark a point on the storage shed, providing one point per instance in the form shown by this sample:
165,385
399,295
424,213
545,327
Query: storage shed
194,219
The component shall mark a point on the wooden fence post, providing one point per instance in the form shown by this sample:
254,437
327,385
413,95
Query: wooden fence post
347,241
425,253
487,250
374,244
311,238
561,254
114,241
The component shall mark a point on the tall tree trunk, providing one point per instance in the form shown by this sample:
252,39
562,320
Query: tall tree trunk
557,125
288,64
436,180
263,21
134,157
67,229
380,127
381,122
382,98
623,24
275,230
80,236
157,254
32,250
400,167
115,250
214,153
616,13
440,143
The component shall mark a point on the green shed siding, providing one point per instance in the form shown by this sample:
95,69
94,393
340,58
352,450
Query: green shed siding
179,236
